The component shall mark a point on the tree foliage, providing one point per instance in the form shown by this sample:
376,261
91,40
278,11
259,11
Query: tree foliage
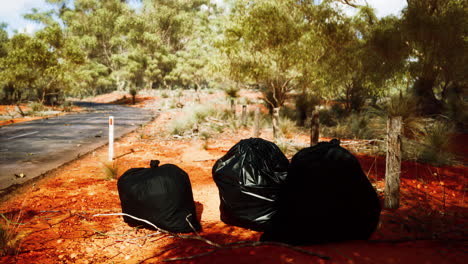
284,47
265,43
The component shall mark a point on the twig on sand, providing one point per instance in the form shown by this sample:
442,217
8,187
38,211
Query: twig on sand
127,153
217,246
198,237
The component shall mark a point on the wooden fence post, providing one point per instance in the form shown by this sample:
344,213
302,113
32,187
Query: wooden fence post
233,106
393,163
314,127
275,122
244,115
256,133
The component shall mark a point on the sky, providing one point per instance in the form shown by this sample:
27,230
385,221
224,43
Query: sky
11,11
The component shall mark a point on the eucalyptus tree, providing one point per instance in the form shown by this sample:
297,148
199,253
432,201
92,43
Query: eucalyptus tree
93,26
196,58
262,46
5,89
3,40
435,32
178,33
354,66
37,66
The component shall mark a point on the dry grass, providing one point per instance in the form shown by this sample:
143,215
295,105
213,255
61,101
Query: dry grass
10,238
110,169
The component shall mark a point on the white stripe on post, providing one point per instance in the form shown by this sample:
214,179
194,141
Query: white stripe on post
111,138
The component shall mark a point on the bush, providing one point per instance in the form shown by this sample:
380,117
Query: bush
232,92
67,106
180,127
201,112
436,144
327,118
406,107
133,93
355,126
110,169
287,127
36,107
455,107
338,111
193,115
164,95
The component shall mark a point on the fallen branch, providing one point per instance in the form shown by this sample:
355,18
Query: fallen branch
125,154
162,230
217,246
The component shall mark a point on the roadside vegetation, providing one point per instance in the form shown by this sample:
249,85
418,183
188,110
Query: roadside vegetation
282,59
356,71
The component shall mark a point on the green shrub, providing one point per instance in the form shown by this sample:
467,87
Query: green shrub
217,128
455,107
36,107
338,111
406,107
133,93
436,144
201,112
110,169
225,114
67,106
355,126
232,92
181,126
287,127
164,95
326,118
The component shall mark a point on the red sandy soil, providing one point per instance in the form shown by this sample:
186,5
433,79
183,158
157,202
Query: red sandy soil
53,218
6,109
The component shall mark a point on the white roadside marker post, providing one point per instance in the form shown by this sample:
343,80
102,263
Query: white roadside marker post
111,138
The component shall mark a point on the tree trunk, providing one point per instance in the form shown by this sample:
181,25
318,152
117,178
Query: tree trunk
18,108
244,115
275,122
256,133
314,128
197,93
393,163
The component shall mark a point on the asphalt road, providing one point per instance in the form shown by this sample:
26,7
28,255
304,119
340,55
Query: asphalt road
35,147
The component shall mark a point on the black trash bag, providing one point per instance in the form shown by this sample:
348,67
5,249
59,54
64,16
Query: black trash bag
249,178
326,198
162,195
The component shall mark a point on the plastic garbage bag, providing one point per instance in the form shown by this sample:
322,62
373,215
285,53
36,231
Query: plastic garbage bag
249,178
160,194
326,198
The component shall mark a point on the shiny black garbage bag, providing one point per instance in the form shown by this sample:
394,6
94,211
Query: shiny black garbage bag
249,178
160,194
326,198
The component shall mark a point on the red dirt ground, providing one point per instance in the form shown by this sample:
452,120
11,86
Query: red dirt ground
52,218
11,109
